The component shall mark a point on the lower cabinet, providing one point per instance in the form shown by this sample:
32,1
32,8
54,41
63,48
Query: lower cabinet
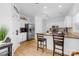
23,37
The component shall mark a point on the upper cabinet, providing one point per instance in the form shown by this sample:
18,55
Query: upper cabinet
76,22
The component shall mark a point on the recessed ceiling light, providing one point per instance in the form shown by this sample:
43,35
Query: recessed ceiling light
36,3
45,7
59,6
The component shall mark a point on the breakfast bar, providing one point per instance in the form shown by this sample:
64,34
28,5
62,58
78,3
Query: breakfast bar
71,43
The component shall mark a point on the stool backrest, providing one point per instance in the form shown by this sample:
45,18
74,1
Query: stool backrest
40,35
58,40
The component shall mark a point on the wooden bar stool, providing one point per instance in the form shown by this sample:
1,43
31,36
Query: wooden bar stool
58,43
41,41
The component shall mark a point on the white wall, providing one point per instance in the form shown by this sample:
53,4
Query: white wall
5,15
38,24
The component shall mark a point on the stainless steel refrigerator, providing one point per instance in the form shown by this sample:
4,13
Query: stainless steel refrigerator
30,30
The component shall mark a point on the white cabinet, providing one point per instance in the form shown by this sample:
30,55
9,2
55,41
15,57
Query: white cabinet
49,42
23,37
70,45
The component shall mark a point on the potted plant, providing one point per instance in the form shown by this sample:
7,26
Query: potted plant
3,33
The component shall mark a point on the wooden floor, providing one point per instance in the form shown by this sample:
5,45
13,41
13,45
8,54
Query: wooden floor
29,49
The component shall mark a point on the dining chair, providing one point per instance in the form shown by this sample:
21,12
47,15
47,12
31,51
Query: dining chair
58,43
41,41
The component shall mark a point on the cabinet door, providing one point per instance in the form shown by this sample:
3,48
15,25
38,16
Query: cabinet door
23,37
49,42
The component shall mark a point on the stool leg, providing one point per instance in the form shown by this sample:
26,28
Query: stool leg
37,45
46,45
41,44
53,52
43,47
53,49
62,51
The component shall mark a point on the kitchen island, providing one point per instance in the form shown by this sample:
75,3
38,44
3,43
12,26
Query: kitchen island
71,42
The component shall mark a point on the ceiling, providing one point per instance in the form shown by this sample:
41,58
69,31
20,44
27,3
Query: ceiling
48,9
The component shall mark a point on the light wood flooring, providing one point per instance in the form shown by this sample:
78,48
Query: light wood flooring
29,48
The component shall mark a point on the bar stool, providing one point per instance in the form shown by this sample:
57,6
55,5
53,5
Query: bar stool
58,41
41,41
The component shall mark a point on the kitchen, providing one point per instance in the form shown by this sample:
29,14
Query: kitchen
30,19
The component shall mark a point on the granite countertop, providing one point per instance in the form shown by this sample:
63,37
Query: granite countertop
69,35
72,35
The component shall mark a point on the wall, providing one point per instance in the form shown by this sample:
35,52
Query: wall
38,24
5,15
